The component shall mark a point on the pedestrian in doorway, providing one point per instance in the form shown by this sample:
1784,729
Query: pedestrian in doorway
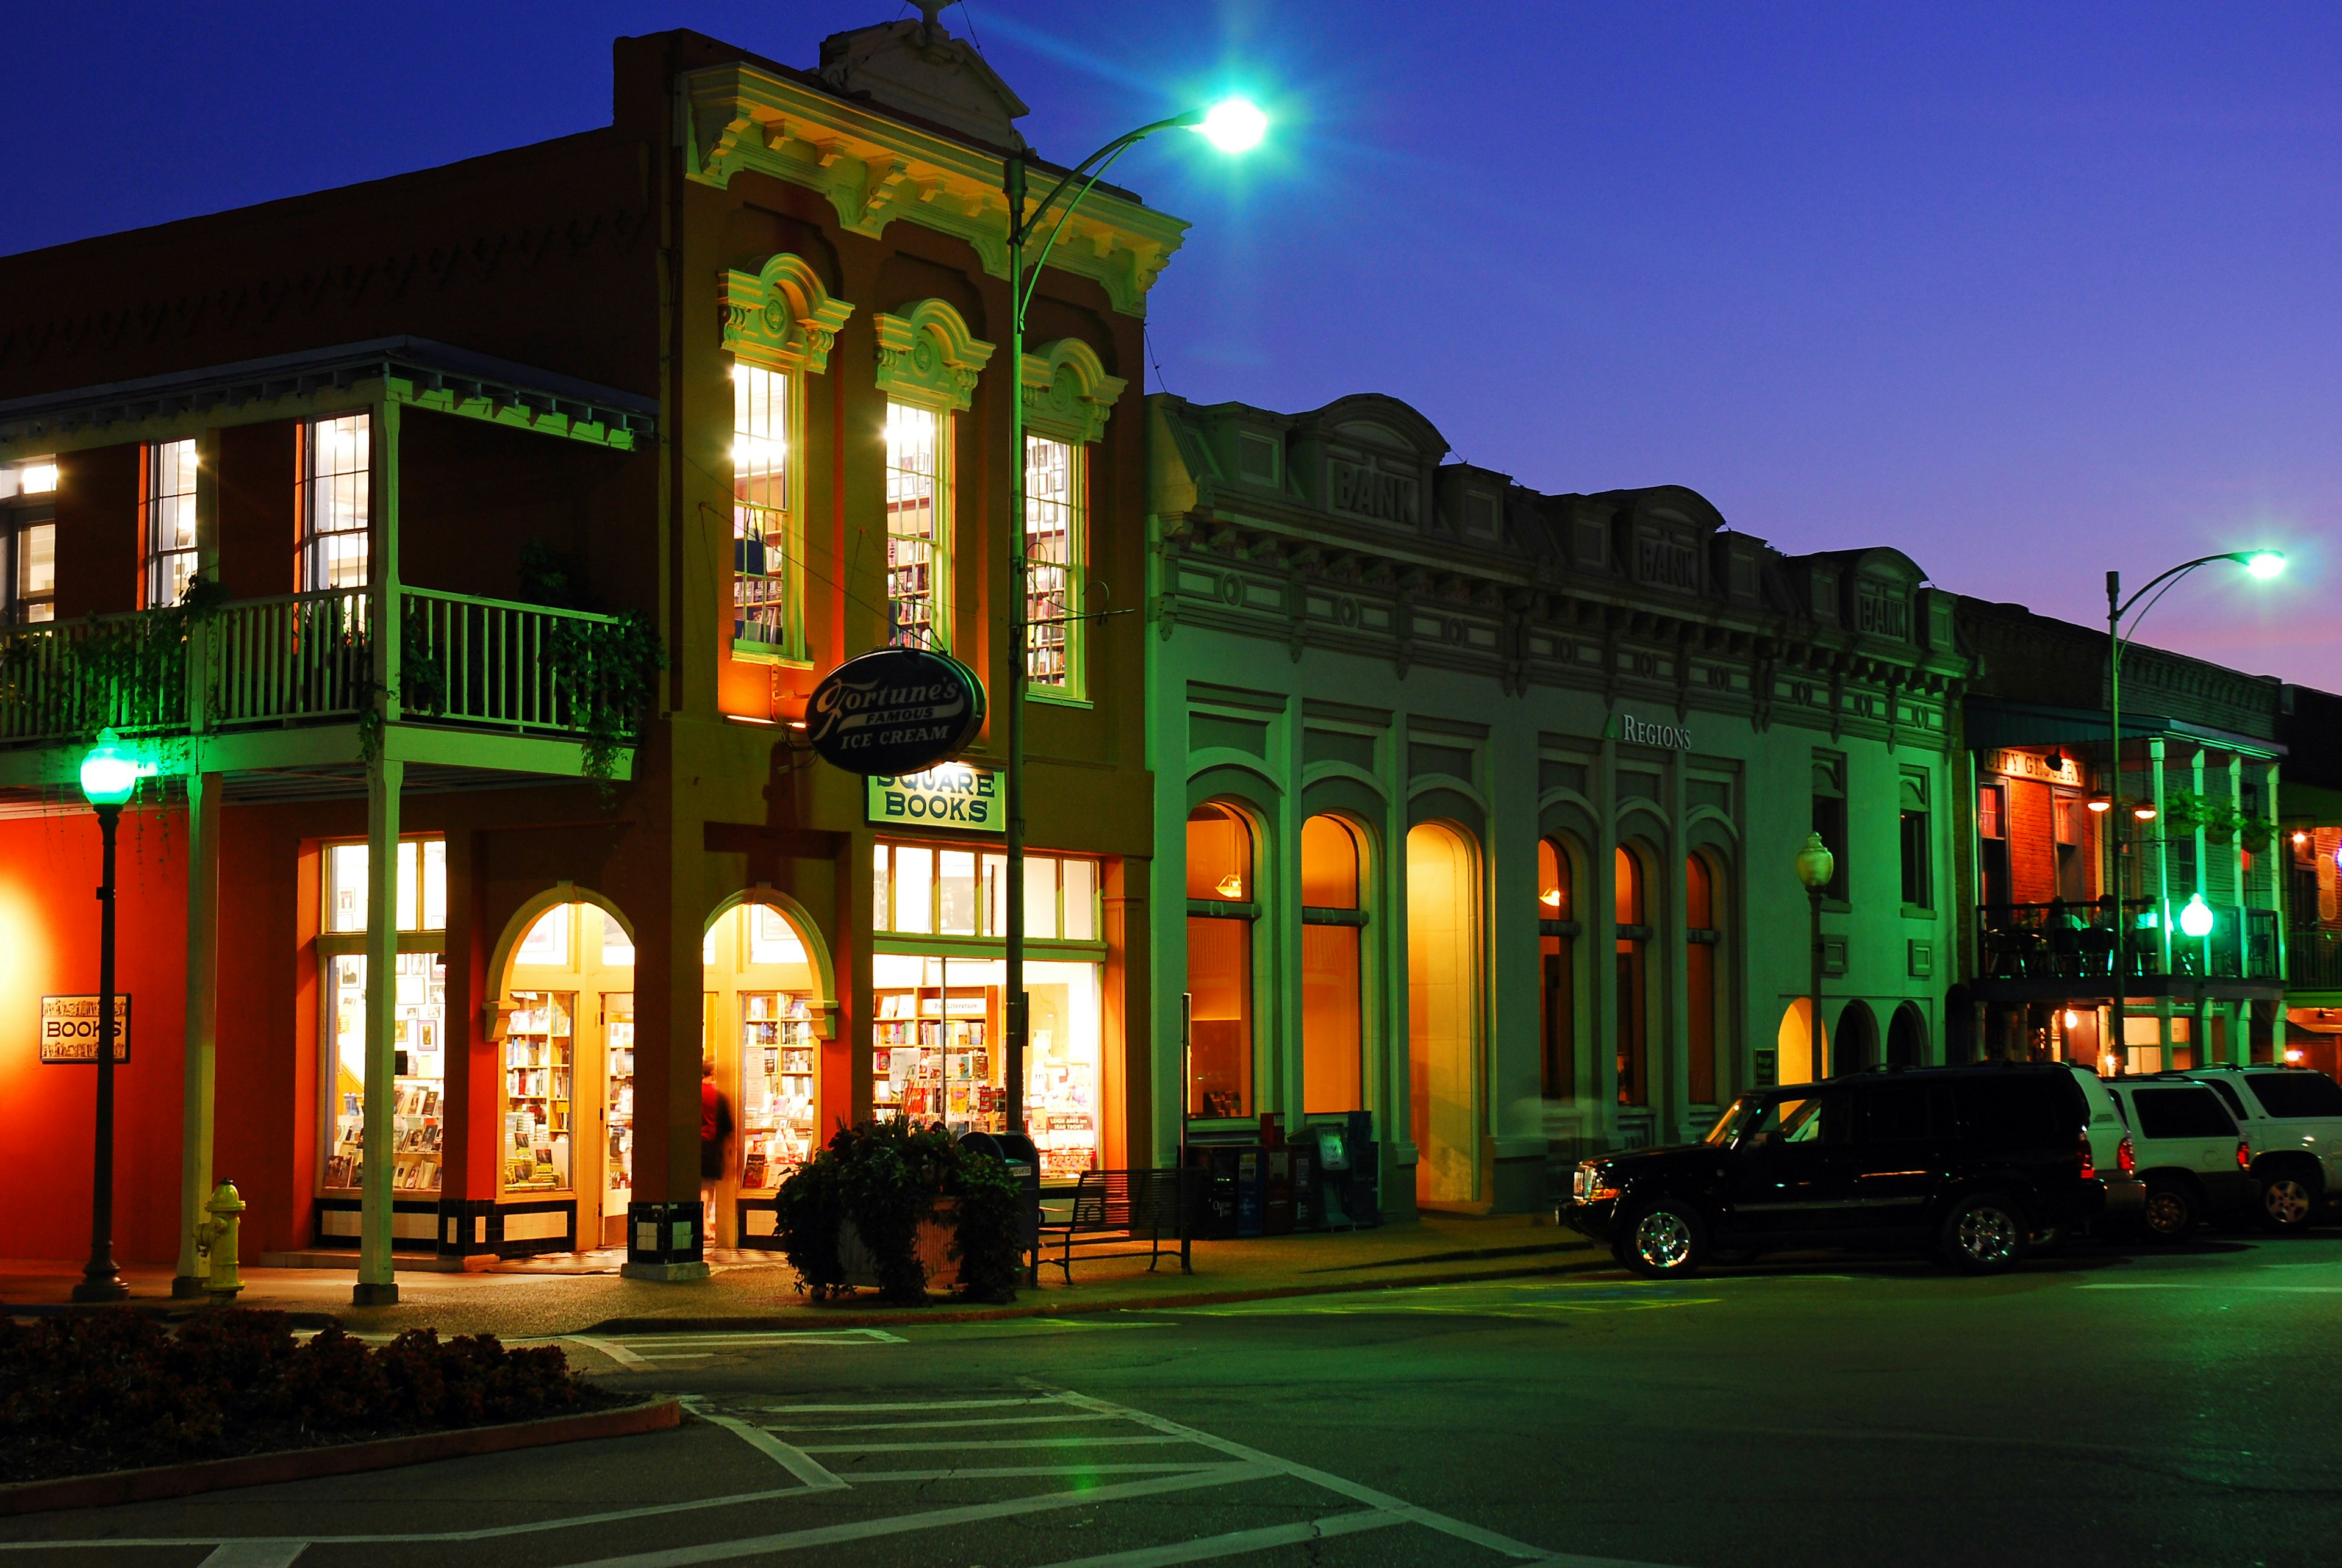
715,1146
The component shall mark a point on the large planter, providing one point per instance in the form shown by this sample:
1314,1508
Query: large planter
933,1246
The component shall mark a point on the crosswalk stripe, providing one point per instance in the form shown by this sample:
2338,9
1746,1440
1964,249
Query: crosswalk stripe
1239,1541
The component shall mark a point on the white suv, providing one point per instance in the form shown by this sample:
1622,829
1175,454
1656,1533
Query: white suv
2292,1116
2196,1163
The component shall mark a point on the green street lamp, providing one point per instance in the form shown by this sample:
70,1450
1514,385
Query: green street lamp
1815,866
2264,566
1233,125
108,777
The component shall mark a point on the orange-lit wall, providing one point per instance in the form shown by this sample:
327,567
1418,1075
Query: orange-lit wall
48,947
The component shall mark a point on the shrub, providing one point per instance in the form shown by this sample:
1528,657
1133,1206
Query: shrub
885,1177
104,1390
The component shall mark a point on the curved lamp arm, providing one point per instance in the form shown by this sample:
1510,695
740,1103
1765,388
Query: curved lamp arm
1094,167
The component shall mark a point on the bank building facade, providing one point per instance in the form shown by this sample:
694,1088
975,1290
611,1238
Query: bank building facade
1483,805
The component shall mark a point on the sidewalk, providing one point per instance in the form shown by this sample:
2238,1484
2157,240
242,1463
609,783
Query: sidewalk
582,1292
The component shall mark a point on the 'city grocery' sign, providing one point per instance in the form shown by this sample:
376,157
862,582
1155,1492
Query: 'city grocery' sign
69,1029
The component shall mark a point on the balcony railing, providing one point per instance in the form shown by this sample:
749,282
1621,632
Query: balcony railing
2313,960
297,659
2076,942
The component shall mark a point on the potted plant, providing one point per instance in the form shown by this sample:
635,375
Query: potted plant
900,1207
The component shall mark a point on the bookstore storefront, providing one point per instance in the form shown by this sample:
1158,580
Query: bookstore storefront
939,979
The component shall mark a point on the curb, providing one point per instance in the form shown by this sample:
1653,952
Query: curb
816,1320
111,1488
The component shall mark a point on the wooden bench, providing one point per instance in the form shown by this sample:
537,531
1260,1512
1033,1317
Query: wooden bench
1119,1213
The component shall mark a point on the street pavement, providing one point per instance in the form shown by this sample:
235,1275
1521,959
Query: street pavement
2133,1407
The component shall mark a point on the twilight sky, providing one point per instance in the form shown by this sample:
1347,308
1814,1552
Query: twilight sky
2027,291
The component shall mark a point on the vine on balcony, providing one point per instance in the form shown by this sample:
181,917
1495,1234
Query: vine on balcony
2222,820
126,672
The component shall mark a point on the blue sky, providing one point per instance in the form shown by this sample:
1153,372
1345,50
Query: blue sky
2025,291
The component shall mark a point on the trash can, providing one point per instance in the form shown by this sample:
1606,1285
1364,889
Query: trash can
1016,1151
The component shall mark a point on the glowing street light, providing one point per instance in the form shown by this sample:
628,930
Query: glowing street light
2196,918
2263,565
109,776
1815,866
1233,125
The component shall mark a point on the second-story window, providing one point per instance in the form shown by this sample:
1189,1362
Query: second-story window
918,527
764,522
1053,553
28,542
170,530
336,501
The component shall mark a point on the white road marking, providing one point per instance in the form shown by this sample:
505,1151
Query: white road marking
786,1455
612,1349
1239,1541
908,1404
2213,1285
989,1423
932,1519
949,1443
254,1554
1352,1490
972,1473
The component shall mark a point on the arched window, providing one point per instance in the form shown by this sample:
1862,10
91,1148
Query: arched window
1221,907
1634,940
1443,970
1557,970
1333,1035
1700,938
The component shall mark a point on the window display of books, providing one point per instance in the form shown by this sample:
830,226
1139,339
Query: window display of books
618,1126
538,1059
931,1060
418,1041
777,1115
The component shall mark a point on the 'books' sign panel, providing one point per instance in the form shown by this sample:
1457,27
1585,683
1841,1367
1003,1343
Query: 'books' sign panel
69,1029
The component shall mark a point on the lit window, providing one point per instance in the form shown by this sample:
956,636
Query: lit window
422,886
1557,966
1333,1033
1633,968
170,532
28,542
336,501
920,891
763,525
1702,996
1053,548
547,941
919,521
1219,963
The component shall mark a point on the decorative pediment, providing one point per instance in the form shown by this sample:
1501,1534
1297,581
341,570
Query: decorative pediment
781,315
929,355
873,168
1067,392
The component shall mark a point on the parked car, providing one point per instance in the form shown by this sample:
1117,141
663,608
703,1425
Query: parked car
2196,1163
1968,1163
2292,1116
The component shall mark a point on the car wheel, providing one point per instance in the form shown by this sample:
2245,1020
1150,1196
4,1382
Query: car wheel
1984,1235
2286,1201
1664,1241
2170,1211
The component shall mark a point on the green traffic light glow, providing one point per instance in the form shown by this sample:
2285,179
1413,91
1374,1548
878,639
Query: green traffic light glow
2264,564
108,774
1234,125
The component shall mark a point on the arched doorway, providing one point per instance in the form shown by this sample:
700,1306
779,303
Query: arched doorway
1632,975
1856,1047
765,993
565,1066
1907,1038
1442,967
1792,1044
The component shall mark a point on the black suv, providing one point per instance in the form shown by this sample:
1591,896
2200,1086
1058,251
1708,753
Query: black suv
1970,1163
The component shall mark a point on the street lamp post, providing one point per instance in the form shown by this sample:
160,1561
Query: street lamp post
108,779
1815,866
2263,564
1233,125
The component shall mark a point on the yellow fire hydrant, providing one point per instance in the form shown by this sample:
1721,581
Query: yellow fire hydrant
215,1238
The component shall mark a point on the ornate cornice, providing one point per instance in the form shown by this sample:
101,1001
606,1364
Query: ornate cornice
929,355
781,315
874,170
1067,392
